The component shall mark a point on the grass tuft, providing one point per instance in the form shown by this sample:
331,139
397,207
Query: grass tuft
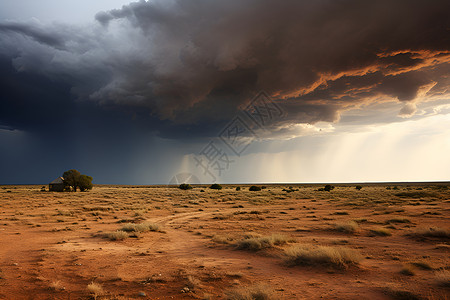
443,278
332,256
255,292
143,227
118,235
407,270
349,227
96,289
259,243
398,220
380,231
433,232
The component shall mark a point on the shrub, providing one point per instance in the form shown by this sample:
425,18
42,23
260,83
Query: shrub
185,186
215,186
331,256
328,188
238,188
358,187
254,188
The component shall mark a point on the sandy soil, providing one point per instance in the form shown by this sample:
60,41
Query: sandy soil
53,245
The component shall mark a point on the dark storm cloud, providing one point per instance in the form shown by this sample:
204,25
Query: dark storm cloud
52,39
192,64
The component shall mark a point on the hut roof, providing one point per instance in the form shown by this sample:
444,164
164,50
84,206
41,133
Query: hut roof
58,180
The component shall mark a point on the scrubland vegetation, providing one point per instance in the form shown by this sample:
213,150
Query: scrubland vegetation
226,242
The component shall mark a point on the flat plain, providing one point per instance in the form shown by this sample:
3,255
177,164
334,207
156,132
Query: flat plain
287,241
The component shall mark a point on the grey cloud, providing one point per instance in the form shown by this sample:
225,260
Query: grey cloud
52,39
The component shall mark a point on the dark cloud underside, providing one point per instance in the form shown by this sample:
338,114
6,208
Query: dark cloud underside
183,68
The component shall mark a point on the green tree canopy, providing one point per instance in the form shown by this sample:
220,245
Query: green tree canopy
74,179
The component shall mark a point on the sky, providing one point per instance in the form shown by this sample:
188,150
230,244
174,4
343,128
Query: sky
168,91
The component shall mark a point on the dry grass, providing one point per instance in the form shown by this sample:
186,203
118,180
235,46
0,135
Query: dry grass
380,231
433,232
397,294
398,220
322,255
56,286
258,243
422,265
96,289
118,235
408,270
254,292
143,227
349,227
443,278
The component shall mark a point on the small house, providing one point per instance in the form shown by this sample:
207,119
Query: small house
56,185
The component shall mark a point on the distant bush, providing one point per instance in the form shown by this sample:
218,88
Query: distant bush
328,187
238,188
358,187
254,188
43,189
185,186
216,186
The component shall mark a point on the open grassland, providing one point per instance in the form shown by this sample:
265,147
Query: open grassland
384,241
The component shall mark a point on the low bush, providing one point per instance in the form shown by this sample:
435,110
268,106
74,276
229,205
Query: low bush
254,188
215,186
185,186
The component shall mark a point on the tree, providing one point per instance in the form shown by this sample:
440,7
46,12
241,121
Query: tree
71,178
74,179
85,183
